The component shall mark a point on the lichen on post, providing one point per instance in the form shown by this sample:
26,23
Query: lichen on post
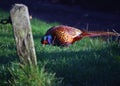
23,34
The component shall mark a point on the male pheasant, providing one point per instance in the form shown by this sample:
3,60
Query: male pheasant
65,35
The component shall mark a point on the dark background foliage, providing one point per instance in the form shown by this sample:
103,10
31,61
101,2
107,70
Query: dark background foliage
99,14
100,5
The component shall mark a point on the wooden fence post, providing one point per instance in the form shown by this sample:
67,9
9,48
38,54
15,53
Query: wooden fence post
23,34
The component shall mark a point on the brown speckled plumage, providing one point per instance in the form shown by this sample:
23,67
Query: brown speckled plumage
65,35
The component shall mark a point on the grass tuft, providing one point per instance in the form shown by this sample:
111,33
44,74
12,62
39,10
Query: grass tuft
31,76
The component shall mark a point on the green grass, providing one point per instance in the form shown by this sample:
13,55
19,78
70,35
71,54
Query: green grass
89,62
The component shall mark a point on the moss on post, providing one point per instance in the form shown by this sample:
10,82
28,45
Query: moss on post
23,34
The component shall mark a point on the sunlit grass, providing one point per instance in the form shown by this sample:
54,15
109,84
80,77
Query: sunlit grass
89,62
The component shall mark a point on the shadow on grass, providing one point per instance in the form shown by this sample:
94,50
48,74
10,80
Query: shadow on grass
7,48
6,59
6,35
8,52
85,68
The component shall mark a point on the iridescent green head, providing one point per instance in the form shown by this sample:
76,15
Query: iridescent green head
47,39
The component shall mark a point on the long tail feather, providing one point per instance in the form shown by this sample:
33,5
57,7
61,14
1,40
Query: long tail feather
99,33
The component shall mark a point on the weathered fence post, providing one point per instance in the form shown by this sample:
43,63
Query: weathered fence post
23,34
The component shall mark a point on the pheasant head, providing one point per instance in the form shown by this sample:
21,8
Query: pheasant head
47,39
